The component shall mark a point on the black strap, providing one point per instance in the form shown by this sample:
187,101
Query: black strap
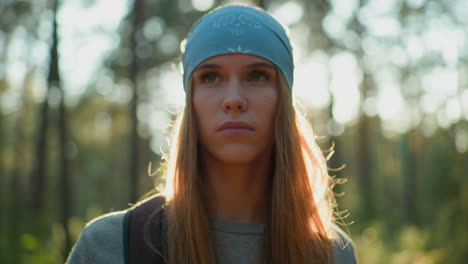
145,217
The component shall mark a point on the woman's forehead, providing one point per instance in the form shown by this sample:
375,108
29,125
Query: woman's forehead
236,58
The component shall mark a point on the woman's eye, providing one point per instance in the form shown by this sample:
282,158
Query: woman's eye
258,76
209,77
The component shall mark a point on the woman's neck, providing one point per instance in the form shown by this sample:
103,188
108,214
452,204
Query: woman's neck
237,192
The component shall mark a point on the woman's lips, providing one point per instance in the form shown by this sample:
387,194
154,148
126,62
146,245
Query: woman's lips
236,131
235,128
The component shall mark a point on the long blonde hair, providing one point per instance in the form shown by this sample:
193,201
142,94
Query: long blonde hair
299,228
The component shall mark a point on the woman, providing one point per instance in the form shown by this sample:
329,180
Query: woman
246,182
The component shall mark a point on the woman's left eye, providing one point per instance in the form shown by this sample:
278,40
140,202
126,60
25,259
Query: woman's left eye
209,77
258,76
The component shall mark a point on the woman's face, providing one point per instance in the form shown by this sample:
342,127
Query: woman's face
235,100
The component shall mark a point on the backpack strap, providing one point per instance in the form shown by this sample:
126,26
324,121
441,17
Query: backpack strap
146,216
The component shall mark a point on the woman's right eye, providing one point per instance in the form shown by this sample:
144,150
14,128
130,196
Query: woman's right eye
209,77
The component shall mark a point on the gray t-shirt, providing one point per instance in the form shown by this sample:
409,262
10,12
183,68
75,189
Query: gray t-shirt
102,242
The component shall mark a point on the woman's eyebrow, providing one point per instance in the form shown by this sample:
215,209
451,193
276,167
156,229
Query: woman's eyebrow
207,66
262,64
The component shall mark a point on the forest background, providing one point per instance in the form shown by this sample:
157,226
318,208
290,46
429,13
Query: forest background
88,90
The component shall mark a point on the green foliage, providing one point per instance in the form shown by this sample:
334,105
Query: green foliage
409,245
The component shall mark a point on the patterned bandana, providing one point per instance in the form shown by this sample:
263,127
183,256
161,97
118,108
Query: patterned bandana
238,29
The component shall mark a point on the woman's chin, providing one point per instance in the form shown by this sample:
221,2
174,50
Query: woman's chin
239,154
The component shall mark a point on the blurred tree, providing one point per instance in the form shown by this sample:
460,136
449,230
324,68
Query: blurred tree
64,143
262,4
367,208
55,92
135,76
39,173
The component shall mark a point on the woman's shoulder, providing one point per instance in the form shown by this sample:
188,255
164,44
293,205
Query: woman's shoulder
343,247
105,223
101,241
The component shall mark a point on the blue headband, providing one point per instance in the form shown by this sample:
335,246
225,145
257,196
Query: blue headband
238,29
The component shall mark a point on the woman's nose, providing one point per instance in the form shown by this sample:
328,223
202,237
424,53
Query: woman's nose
234,100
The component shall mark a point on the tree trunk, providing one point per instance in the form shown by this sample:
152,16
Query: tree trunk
134,175
38,177
409,172
64,178
365,183
261,3
4,195
364,157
